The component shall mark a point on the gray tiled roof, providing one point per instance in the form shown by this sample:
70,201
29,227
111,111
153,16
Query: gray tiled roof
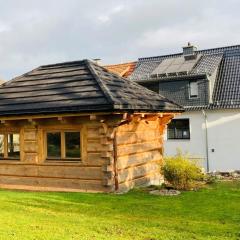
207,64
144,69
80,86
226,85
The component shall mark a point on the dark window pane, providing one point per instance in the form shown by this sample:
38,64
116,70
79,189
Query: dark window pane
13,145
72,144
179,129
170,133
1,145
54,145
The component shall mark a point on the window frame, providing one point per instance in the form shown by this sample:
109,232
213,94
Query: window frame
193,96
177,138
63,157
5,146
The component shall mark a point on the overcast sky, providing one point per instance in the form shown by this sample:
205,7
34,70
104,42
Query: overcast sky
34,33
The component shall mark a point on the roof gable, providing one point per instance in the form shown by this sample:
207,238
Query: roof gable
123,69
80,86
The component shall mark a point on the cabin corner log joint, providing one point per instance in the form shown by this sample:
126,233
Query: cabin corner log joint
76,127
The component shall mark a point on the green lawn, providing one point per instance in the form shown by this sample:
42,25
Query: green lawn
212,213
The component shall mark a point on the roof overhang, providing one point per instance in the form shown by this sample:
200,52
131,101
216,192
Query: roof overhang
89,114
173,78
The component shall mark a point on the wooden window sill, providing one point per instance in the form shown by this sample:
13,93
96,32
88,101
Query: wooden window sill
63,161
10,159
187,139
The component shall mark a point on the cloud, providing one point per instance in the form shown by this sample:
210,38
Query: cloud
108,15
35,33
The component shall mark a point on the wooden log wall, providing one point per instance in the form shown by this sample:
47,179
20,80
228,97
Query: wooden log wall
114,158
33,172
139,153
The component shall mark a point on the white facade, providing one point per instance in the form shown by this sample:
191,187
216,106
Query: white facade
221,141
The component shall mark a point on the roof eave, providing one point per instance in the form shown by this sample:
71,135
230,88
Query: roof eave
178,78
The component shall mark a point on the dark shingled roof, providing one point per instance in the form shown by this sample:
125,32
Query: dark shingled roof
80,86
226,86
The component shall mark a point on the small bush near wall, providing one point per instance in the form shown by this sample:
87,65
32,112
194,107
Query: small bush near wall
182,173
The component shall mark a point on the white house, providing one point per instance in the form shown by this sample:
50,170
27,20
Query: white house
207,84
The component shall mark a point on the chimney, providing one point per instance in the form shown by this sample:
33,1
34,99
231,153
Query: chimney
97,61
189,52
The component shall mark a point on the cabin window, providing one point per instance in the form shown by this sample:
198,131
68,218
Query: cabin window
10,146
178,129
72,144
1,145
63,145
54,145
193,89
13,145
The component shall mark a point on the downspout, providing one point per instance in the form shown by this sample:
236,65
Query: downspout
206,138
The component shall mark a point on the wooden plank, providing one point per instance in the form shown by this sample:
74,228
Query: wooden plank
62,65
18,170
138,158
22,154
137,137
52,115
140,126
46,184
65,83
58,96
54,103
56,163
93,133
83,142
41,145
30,146
30,157
95,159
71,172
96,146
30,77
50,92
142,181
139,147
40,71
136,172
82,81
30,134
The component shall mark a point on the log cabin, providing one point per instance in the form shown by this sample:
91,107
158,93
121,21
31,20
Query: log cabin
75,126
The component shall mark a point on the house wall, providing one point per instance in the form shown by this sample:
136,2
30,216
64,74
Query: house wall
195,146
112,158
139,154
33,172
223,138
178,90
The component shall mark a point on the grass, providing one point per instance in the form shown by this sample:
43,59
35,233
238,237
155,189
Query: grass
211,213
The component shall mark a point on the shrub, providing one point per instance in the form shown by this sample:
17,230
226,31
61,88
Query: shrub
181,172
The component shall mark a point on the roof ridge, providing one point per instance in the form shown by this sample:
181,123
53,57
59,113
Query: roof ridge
118,64
198,51
102,86
62,63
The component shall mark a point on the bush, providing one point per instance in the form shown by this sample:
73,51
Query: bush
181,172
